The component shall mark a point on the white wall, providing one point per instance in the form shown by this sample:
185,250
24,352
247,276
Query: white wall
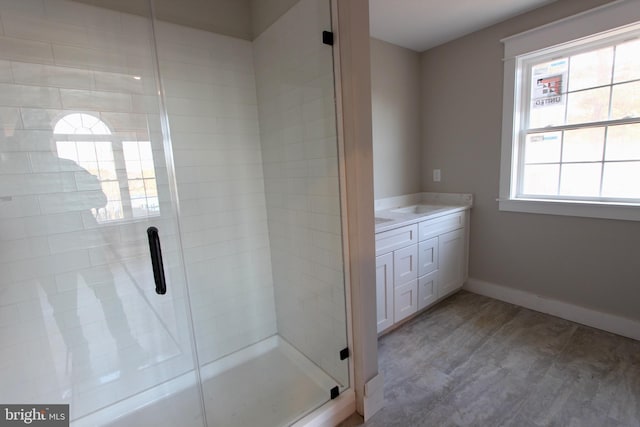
396,116
294,73
587,262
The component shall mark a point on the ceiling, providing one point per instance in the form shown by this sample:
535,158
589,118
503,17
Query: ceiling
422,24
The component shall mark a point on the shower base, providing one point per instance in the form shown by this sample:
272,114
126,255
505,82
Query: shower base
269,383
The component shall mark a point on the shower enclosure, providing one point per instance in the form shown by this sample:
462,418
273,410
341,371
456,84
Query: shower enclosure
116,124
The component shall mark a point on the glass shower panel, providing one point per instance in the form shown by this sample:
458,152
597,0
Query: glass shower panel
253,129
83,174
296,100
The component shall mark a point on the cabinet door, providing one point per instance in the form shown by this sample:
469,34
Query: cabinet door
427,289
405,265
427,256
384,291
405,300
451,252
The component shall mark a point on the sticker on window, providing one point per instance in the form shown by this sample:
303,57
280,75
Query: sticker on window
547,84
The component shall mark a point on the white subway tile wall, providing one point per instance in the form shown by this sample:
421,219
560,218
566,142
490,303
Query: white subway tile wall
294,74
213,115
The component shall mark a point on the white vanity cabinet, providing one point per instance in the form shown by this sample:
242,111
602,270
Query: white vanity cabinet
418,264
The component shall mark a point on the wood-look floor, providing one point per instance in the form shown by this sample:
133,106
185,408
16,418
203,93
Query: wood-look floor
476,361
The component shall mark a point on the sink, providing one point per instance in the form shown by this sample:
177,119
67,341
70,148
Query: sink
381,220
417,209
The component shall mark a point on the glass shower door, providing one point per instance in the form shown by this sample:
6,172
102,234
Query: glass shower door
83,177
253,129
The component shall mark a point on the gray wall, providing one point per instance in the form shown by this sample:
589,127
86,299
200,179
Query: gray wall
590,262
245,19
266,12
395,88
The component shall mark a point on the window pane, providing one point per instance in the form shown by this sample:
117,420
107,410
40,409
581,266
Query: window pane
588,106
551,115
139,207
74,120
627,61
67,150
543,148
86,151
582,145
107,170
87,120
548,98
130,149
145,150
621,180
623,142
136,189
91,167
153,205
591,69
113,210
148,170
625,102
133,170
104,151
64,127
150,187
541,179
112,190
581,179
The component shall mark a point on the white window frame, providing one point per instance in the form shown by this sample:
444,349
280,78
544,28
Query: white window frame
602,22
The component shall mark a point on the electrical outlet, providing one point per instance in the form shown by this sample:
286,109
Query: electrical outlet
436,175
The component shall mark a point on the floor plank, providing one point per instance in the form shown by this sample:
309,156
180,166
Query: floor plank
476,361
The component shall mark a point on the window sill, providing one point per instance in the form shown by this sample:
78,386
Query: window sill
626,212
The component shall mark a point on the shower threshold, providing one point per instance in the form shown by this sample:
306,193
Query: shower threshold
269,383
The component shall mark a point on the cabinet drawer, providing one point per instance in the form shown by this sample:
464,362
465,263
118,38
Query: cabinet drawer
405,301
434,227
405,265
427,256
391,240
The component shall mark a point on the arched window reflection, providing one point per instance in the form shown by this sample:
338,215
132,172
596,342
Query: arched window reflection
124,168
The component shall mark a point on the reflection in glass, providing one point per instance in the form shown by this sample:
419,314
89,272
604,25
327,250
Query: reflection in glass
97,157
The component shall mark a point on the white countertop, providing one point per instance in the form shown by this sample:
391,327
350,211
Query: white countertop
389,212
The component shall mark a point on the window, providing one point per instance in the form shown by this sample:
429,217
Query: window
571,139
124,168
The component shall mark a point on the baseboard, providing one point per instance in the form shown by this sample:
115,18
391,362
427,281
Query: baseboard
332,413
373,396
586,316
